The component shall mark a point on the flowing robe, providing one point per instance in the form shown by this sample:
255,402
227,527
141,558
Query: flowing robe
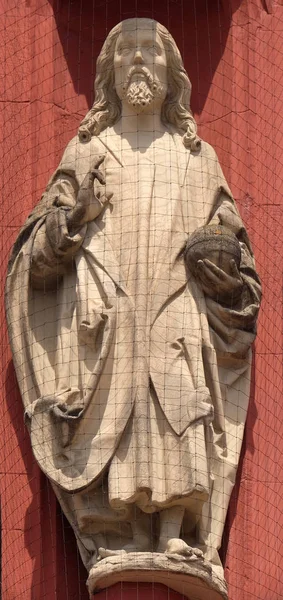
124,366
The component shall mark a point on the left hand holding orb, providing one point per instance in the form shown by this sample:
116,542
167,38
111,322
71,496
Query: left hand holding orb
213,256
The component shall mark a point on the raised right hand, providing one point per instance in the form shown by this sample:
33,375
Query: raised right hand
88,206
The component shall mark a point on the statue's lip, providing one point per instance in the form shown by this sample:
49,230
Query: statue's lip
140,72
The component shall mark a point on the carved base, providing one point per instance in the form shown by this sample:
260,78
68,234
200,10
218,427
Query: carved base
192,577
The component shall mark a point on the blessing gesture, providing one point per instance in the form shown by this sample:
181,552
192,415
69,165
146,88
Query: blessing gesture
88,206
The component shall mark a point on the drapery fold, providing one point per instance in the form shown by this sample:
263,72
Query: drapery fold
94,337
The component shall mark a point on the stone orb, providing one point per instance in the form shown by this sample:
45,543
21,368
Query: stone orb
216,243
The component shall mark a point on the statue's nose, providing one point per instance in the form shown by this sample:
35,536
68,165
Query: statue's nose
138,58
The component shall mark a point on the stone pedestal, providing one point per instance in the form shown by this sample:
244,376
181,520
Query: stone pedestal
126,590
192,577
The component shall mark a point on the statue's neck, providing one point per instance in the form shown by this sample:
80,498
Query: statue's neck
147,122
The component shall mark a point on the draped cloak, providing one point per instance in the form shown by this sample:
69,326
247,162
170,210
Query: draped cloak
122,362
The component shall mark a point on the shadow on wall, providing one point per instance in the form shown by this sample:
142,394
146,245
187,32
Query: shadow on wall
247,447
57,571
199,27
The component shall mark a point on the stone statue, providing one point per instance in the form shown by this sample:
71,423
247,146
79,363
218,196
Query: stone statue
131,339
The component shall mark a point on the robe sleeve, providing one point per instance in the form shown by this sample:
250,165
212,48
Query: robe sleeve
55,246
233,327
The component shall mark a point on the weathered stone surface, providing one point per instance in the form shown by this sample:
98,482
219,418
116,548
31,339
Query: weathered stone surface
192,577
215,243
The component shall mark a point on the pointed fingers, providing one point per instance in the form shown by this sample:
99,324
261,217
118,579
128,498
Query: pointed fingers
99,162
98,175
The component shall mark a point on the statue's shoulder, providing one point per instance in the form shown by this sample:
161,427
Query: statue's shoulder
205,158
77,152
206,151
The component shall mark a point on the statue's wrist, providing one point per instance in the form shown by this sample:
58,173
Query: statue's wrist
227,297
74,219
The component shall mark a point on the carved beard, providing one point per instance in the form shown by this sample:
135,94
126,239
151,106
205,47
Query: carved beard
140,94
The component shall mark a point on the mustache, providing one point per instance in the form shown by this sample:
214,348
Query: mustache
144,72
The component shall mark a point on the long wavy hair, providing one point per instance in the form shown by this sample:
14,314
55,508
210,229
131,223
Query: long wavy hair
107,109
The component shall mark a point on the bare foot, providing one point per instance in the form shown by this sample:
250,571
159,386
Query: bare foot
177,546
105,552
127,549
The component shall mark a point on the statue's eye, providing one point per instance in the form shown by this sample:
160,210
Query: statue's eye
153,49
125,49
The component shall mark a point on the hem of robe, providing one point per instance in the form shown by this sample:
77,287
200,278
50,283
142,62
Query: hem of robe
142,499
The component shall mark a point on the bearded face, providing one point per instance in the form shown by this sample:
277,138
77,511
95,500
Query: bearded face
140,67
140,89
